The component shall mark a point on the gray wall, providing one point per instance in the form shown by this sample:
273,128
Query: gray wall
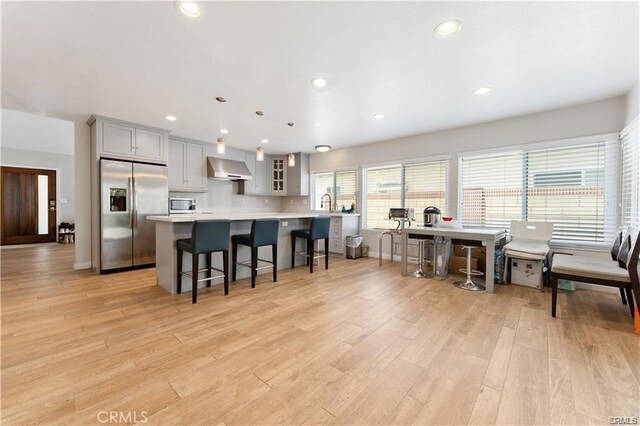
607,116
633,103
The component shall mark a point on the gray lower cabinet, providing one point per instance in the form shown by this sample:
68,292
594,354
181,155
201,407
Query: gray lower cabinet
298,176
187,166
341,227
259,184
129,141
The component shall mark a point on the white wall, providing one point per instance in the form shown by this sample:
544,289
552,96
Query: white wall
607,116
632,103
30,140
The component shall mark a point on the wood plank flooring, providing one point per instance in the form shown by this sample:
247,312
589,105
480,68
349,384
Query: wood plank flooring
357,344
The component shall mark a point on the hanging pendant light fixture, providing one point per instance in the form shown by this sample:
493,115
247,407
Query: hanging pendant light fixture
220,142
291,159
260,149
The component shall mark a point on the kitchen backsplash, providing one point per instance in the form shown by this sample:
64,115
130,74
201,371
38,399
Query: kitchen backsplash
295,204
222,196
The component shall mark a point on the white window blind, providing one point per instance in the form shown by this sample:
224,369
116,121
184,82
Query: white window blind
630,176
572,186
414,185
425,185
383,191
342,187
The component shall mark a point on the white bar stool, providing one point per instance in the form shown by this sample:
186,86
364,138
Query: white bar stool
469,284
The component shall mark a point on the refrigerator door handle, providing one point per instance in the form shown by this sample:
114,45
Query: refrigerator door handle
130,184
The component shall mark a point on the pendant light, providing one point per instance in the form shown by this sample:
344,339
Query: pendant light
260,149
220,142
291,159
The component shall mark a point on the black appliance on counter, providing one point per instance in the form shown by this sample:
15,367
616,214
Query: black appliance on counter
431,216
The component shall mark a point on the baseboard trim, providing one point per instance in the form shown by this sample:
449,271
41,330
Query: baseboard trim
595,287
385,256
81,265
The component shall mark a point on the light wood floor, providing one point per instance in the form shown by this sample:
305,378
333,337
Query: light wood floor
356,344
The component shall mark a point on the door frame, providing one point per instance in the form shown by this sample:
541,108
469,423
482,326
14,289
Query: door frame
36,167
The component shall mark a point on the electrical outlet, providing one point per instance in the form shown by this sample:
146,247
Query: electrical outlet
285,223
291,202
63,201
304,202
266,201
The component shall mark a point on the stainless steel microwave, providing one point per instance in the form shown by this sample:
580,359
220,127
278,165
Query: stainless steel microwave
182,205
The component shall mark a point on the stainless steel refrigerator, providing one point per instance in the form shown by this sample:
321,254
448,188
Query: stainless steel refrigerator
129,192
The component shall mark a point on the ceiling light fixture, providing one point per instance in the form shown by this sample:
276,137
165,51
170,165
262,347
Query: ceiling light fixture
319,82
447,28
170,117
188,8
482,90
379,116
260,148
323,148
220,142
291,159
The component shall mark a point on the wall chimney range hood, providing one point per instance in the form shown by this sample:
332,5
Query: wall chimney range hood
225,169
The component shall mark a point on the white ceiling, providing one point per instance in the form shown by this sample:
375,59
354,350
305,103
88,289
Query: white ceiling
139,61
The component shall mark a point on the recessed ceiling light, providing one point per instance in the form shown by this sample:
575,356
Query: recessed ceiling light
323,148
170,117
224,131
482,90
264,140
319,82
378,116
188,8
447,28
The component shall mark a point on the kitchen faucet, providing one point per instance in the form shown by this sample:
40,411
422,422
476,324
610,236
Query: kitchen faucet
322,201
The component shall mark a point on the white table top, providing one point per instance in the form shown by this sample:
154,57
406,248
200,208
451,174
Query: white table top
181,218
469,233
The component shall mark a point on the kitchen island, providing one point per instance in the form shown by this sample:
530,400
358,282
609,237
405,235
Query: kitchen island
169,229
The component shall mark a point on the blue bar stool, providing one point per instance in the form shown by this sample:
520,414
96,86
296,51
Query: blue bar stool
319,230
207,237
264,232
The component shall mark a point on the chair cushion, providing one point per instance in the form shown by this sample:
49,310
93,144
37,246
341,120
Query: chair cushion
589,268
532,248
301,233
185,244
244,239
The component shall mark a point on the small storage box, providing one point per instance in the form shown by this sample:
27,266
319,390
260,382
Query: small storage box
526,272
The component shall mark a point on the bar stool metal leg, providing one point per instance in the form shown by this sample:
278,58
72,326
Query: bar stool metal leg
468,284
420,272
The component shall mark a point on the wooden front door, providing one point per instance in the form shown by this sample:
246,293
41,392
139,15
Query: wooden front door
28,204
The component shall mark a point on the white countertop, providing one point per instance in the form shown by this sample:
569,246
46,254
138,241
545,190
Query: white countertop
334,214
177,218
470,233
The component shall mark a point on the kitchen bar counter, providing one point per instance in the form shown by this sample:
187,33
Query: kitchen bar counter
169,229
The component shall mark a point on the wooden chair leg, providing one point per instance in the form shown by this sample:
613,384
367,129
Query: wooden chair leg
311,255
293,252
326,253
274,253
622,296
194,277
225,268
254,265
234,260
630,301
179,275
554,294
208,257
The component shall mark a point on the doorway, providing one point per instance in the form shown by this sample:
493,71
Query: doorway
28,205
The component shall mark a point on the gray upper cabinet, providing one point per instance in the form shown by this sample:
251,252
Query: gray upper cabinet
129,141
278,176
187,166
259,184
298,176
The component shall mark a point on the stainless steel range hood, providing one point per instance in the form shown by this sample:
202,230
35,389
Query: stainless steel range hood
224,169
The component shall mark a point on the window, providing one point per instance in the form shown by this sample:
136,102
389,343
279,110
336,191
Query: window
340,185
572,186
630,176
414,186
